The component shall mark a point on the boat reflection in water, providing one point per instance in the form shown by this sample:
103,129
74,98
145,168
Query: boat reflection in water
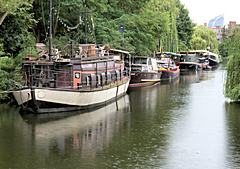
86,133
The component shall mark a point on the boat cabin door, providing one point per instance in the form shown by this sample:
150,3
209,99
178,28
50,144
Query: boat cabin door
76,79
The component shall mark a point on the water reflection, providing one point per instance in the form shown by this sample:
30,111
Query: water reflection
86,133
198,137
195,76
73,140
148,102
191,77
152,113
156,110
233,122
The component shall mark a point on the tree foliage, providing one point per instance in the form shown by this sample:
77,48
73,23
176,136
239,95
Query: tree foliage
16,38
204,38
9,76
15,31
148,25
184,27
10,7
232,86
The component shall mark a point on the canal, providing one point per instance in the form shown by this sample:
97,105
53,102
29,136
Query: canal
183,124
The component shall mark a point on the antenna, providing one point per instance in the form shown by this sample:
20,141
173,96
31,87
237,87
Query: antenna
50,31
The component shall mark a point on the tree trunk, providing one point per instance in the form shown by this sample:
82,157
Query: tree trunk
3,17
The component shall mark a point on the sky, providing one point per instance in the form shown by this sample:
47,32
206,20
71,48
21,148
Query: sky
201,11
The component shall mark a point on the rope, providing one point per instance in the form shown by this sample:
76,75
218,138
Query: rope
65,25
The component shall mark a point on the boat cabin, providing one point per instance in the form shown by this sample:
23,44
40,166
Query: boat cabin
85,68
143,64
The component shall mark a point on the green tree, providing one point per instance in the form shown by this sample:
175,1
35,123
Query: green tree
204,38
223,46
184,27
9,7
232,86
198,43
16,30
16,41
148,24
9,76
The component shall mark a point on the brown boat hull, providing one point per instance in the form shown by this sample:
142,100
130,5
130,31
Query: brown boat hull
142,79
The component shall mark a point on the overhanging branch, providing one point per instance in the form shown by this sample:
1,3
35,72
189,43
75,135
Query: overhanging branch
2,17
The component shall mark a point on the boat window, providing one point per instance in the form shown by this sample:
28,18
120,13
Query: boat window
140,60
108,77
103,78
101,65
136,68
113,75
88,66
76,67
88,78
149,61
117,74
110,64
98,80
93,80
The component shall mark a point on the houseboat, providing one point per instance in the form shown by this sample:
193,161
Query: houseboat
167,66
198,59
213,58
188,61
78,77
144,71
86,77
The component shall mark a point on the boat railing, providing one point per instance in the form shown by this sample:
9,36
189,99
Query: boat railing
84,86
64,79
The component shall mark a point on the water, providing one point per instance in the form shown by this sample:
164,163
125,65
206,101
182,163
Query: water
185,124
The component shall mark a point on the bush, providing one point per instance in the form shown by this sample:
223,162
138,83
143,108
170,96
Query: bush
9,77
232,86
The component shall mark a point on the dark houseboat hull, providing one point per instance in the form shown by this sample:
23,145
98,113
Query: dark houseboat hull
184,66
213,62
142,79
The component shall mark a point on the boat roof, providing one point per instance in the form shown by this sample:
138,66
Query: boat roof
204,52
168,54
164,59
142,57
72,60
120,51
199,51
187,63
210,53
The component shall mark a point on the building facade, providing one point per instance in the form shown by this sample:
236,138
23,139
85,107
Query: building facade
217,25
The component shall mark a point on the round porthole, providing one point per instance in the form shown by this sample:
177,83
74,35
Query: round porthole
41,94
77,75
